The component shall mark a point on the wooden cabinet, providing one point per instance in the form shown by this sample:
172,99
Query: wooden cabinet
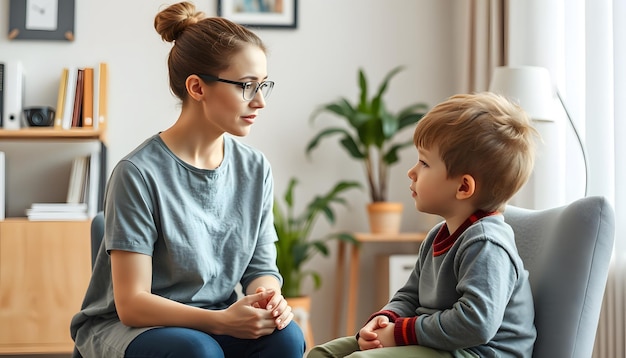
45,266
44,273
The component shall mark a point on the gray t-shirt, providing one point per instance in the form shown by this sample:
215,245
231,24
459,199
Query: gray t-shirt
206,230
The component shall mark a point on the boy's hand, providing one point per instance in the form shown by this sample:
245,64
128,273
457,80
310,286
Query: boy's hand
368,336
386,336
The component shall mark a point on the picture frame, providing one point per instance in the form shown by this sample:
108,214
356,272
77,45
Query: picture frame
41,20
260,13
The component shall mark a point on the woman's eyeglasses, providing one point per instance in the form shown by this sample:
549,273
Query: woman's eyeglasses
249,89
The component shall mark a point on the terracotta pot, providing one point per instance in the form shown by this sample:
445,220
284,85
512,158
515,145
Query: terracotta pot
301,308
385,217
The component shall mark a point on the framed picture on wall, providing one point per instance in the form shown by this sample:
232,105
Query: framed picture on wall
41,20
260,13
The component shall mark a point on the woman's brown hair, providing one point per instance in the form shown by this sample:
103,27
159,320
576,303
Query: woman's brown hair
202,45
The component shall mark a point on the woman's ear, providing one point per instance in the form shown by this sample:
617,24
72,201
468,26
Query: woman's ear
466,188
194,87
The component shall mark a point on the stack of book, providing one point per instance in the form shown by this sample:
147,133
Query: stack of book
57,211
82,193
82,97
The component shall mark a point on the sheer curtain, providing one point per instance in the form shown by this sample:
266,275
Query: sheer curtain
595,92
604,97
483,27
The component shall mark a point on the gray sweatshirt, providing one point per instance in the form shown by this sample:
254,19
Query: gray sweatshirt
468,290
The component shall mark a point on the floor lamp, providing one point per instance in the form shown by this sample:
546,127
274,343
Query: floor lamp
531,87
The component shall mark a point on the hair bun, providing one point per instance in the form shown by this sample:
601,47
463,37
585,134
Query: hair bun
173,20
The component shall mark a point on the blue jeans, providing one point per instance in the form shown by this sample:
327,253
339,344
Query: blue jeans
174,342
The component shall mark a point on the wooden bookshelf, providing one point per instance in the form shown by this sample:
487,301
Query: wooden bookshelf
45,266
49,133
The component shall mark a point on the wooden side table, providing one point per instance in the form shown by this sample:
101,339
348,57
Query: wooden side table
353,288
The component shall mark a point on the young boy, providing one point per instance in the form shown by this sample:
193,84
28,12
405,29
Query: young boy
468,295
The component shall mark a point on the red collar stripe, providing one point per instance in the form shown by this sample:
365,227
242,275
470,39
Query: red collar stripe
444,241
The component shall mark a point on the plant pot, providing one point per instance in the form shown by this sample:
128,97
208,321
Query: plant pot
385,217
301,308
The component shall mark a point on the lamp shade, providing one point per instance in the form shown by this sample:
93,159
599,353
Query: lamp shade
530,86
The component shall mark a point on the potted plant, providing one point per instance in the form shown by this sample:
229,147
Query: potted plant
369,137
295,247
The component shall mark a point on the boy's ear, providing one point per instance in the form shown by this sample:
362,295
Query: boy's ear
194,87
467,187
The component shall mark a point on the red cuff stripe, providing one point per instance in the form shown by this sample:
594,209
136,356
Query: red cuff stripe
405,322
404,331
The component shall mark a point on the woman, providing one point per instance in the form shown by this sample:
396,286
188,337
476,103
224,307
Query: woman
188,216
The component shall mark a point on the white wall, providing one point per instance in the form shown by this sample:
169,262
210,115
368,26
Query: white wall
313,64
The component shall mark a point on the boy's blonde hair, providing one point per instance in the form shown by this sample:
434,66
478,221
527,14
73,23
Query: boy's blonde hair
483,135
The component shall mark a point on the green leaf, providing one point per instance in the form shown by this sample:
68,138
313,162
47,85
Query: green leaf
409,119
317,279
321,247
323,134
289,193
383,86
363,91
351,147
391,156
341,107
389,126
347,238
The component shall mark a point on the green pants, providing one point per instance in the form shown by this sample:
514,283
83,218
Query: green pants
348,347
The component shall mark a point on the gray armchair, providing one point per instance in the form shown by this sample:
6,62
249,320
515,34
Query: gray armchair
567,252
97,234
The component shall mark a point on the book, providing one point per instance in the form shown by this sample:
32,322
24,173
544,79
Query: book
93,184
2,186
58,116
84,182
58,207
70,187
78,98
103,84
88,98
1,92
96,96
70,90
57,211
77,178
56,216
13,95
